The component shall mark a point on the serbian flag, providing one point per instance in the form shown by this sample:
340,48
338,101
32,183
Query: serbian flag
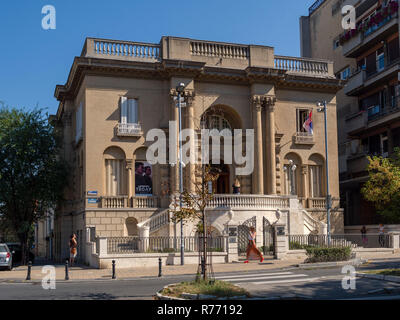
308,124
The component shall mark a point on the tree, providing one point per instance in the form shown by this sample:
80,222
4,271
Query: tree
194,205
32,176
383,186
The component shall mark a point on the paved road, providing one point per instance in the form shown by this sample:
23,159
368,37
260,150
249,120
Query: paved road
283,283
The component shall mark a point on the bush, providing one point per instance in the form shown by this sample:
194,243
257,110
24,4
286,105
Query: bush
327,254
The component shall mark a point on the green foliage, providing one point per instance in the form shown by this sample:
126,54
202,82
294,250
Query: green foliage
327,254
383,186
32,177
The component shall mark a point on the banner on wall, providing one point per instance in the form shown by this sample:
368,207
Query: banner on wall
143,179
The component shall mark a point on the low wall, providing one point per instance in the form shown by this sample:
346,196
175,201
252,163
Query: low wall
136,260
374,228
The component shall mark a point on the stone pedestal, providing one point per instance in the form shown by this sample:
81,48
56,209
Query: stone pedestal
231,231
395,239
281,241
144,233
102,246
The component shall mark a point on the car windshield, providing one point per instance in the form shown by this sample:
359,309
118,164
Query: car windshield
3,248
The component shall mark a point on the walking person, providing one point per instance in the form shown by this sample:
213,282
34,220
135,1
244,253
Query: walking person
251,247
73,244
381,235
364,236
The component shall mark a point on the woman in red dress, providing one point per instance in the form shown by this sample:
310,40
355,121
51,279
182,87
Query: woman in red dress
251,247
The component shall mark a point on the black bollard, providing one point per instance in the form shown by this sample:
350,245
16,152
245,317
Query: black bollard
159,267
28,276
113,270
66,270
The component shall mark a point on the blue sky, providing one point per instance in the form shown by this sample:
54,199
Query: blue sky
33,60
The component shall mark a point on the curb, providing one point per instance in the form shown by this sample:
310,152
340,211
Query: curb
321,265
378,277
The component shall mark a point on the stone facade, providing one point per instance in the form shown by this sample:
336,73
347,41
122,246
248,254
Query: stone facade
242,86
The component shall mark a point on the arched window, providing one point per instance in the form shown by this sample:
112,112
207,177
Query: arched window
291,169
215,121
115,172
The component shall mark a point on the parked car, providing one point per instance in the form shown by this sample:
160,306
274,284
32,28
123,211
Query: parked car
6,259
17,255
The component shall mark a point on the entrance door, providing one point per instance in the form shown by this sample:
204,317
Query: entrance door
268,236
243,234
221,185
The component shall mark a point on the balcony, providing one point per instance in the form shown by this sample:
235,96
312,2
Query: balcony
357,163
303,138
356,122
248,201
129,129
363,40
121,202
355,82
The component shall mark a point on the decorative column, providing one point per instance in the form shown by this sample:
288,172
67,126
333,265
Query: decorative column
129,165
258,173
270,148
189,97
304,179
174,169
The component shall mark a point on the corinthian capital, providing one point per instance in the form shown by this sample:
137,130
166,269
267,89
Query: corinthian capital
265,101
188,95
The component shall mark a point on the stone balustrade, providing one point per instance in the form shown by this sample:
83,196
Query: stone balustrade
303,65
234,55
248,201
320,203
114,201
126,50
222,50
145,202
160,220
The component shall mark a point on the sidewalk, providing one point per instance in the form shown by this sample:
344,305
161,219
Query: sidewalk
86,273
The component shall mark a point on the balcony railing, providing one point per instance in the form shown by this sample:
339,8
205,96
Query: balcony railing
125,50
115,202
221,50
303,138
248,201
302,65
320,203
129,129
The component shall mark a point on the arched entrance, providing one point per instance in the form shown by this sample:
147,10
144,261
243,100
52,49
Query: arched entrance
221,185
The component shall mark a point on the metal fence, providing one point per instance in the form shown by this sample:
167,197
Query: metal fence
340,240
126,245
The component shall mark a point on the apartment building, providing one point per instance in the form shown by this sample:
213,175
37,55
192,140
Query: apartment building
119,90
368,108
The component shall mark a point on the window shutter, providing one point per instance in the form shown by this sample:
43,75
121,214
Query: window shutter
124,109
132,111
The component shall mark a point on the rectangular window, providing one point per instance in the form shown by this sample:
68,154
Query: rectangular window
380,60
315,181
78,123
129,110
302,115
371,64
344,74
393,50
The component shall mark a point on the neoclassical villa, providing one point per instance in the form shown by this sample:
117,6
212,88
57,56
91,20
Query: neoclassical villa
118,90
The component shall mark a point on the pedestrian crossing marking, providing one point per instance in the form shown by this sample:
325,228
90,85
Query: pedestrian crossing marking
267,278
262,278
254,275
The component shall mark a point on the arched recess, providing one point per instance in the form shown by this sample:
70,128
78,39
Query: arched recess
131,228
114,172
316,172
298,190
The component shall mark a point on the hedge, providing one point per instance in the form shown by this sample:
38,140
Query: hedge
327,254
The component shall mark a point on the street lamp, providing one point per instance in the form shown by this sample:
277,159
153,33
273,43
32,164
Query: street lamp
322,108
292,169
180,90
